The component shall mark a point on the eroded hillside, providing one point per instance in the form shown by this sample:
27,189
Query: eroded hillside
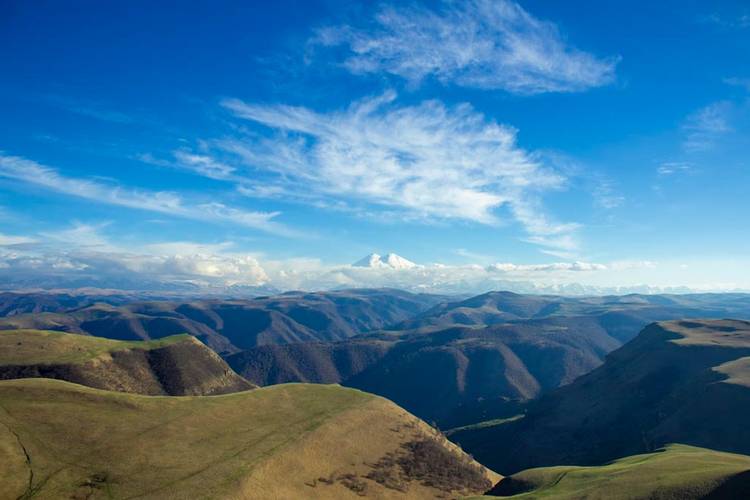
178,365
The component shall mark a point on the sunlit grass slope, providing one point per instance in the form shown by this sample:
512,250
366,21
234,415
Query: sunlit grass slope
177,365
677,472
61,440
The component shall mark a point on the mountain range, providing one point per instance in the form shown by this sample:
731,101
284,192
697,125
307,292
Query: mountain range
633,396
231,325
477,358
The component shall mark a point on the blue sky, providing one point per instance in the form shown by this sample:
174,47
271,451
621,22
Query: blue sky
234,143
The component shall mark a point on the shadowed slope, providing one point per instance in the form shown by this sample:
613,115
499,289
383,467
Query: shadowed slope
437,375
286,441
678,381
176,365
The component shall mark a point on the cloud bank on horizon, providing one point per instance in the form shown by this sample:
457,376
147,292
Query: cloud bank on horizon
494,143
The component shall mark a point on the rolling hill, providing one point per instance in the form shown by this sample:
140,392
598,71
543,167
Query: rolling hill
62,440
178,365
682,381
228,326
677,471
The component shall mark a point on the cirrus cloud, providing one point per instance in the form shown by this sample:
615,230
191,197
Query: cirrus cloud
480,43
426,160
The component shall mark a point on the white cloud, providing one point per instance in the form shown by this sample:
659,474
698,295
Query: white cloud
706,126
425,160
556,266
206,268
203,165
165,202
674,167
84,256
606,195
487,44
11,240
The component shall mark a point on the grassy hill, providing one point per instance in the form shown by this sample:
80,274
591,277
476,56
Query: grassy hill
678,471
61,440
175,365
678,381
228,326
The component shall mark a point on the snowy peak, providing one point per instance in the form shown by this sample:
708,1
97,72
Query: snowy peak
398,262
372,260
390,261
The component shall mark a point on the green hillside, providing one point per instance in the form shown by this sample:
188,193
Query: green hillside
676,472
46,347
61,440
178,365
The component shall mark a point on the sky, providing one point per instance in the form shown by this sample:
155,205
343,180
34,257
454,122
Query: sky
577,147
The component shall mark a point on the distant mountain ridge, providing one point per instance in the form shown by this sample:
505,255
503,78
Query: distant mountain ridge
231,325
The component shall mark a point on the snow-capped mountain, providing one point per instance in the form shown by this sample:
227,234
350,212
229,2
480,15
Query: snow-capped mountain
391,261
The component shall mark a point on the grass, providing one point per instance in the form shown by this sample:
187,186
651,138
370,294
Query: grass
737,371
62,440
29,347
725,333
81,439
677,471
484,424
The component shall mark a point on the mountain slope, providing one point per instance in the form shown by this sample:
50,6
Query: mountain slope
177,365
231,325
678,381
437,375
678,471
62,440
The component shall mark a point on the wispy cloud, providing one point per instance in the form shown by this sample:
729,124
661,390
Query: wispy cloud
199,164
7,240
731,21
605,193
487,44
674,167
426,160
706,126
738,82
31,172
